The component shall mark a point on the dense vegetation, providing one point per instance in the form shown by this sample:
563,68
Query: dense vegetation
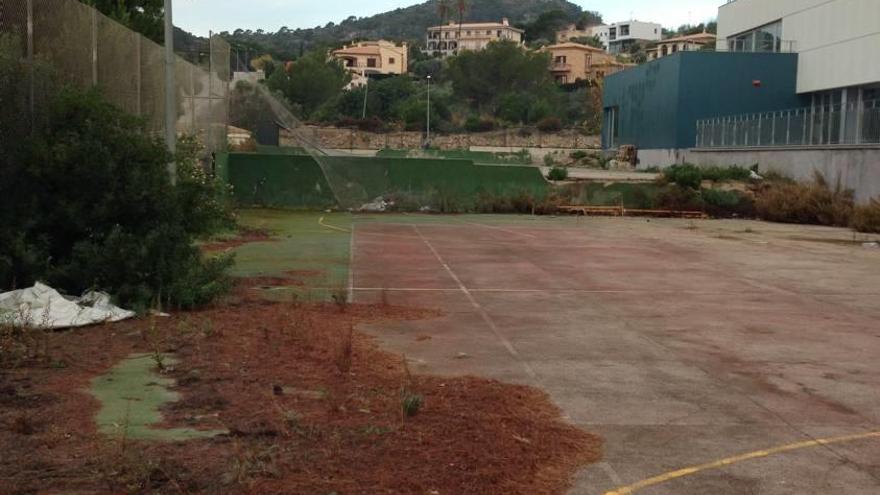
500,86
144,16
405,24
87,200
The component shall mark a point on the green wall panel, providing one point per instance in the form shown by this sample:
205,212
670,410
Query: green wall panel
660,102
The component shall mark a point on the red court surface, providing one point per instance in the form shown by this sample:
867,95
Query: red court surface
680,343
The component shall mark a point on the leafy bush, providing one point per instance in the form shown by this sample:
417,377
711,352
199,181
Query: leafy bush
812,203
579,155
87,203
679,198
558,174
866,218
689,175
477,124
725,204
686,176
549,124
721,174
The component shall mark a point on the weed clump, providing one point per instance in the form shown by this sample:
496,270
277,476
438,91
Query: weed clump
866,218
692,176
558,174
812,203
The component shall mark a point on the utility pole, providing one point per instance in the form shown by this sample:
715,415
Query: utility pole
366,94
428,138
170,92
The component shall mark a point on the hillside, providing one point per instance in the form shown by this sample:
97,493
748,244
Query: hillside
401,24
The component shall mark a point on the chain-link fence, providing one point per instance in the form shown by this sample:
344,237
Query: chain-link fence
87,49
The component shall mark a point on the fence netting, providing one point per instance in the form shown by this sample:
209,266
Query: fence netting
88,49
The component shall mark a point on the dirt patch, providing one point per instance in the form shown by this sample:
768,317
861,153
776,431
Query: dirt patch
311,407
244,236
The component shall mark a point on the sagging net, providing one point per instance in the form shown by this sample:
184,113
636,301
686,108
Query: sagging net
345,174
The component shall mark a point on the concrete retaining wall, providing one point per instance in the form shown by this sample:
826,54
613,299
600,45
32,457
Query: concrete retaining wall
856,168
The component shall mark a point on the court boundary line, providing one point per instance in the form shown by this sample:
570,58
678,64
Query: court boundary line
351,290
333,227
480,310
758,454
598,291
492,227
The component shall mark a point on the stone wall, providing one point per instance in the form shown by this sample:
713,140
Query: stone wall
354,139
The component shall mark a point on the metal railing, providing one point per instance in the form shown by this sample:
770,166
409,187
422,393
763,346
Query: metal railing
88,49
850,124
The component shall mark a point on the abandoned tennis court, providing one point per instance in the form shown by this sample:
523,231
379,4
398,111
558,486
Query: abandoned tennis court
722,357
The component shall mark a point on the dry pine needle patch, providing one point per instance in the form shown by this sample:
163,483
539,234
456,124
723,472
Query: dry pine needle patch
310,405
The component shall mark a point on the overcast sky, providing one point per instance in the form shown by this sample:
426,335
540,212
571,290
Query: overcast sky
201,16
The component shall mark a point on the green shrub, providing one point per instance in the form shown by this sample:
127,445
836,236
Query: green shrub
727,204
579,155
679,198
549,124
477,124
89,204
811,203
721,174
866,218
687,176
558,174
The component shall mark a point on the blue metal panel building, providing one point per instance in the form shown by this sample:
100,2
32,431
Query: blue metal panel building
657,105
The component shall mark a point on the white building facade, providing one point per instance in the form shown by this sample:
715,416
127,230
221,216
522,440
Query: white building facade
448,40
619,36
837,41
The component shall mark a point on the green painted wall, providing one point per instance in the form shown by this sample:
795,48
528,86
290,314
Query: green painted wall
660,102
297,181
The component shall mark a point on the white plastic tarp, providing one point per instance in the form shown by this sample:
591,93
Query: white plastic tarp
43,307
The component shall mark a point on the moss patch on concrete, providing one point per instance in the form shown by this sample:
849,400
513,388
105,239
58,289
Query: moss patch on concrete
313,254
132,394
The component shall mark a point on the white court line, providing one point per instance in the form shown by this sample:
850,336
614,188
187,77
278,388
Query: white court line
482,312
604,291
351,289
531,236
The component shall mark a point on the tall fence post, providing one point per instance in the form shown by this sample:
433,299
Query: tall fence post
94,47
30,60
139,76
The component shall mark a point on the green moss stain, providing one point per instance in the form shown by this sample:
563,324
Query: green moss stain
314,256
132,395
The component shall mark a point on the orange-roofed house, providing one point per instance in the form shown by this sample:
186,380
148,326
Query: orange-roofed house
366,58
689,43
573,62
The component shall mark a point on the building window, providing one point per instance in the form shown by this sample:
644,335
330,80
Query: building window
489,33
561,59
371,62
447,35
468,33
392,61
624,30
674,48
766,38
612,34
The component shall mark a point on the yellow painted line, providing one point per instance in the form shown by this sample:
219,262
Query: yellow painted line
681,473
331,227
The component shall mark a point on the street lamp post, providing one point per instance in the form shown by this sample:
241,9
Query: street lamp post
366,94
428,138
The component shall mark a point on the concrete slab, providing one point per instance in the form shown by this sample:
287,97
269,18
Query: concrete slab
682,343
